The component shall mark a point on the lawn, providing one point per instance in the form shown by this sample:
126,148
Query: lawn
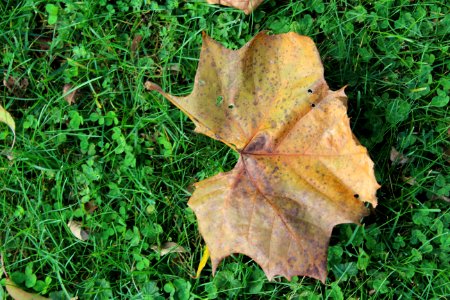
121,161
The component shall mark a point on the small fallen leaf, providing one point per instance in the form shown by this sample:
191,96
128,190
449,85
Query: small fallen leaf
69,93
168,247
246,5
444,198
18,294
175,68
447,155
9,83
90,207
409,180
5,117
15,86
397,158
77,231
135,43
43,43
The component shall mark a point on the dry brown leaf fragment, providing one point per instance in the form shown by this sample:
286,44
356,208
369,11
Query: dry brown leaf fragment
397,157
18,294
446,199
15,86
135,42
245,5
168,247
409,180
77,230
69,93
90,207
43,43
300,172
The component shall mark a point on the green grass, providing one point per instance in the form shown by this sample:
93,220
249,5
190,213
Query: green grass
135,156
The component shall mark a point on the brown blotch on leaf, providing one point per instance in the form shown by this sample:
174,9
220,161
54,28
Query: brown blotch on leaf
257,144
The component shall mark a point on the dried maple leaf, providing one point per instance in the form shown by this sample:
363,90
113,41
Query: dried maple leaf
300,172
245,5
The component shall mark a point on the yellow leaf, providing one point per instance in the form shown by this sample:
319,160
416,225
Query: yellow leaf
5,117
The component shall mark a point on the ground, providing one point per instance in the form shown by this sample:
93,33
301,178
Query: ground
121,161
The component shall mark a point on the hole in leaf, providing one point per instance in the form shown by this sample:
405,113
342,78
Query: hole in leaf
231,106
356,196
313,105
219,100
310,91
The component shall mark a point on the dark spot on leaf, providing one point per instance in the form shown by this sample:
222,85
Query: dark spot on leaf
275,169
293,212
356,196
257,143
310,91
230,106
313,105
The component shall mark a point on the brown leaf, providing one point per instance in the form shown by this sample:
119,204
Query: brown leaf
300,172
77,231
168,247
409,180
446,199
69,93
135,43
43,43
397,158
447,155
16,86
246,5
18,294
90,207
